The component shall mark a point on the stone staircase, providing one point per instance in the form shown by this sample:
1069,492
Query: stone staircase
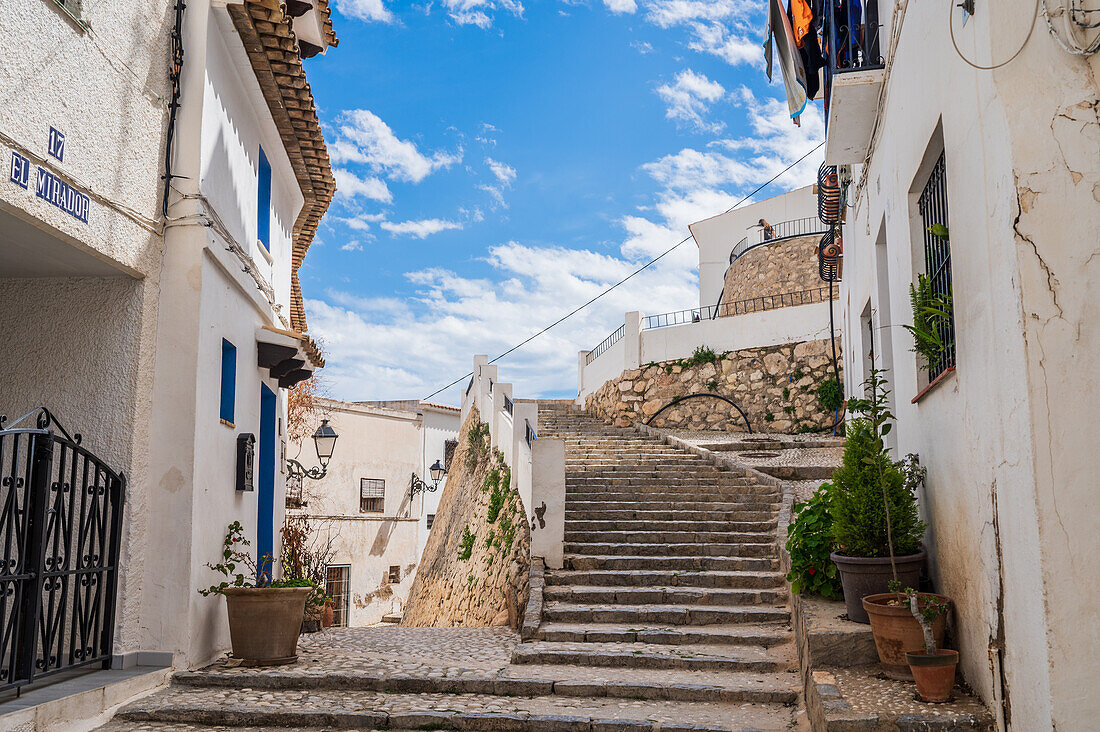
670,614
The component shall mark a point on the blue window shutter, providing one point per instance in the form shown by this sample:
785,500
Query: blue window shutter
263,204
229,380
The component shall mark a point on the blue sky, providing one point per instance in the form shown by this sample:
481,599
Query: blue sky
500,163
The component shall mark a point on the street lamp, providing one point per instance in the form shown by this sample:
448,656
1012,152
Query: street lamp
417,485
324,441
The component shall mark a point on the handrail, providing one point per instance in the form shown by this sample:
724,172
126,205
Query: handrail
782,231
508,406
737,307
529,434
605,344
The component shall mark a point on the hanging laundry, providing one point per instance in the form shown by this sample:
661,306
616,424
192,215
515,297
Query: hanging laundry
802,18
790,61
804,24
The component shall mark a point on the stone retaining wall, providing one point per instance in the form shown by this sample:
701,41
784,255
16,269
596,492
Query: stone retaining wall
776,386
773,269
490,586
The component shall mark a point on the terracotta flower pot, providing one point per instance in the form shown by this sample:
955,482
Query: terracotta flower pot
264,623
897,632
328,615
863,576
934,674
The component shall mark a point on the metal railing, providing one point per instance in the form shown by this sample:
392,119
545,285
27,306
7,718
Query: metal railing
852,36
530,435
773,302
779,232
509,407
605,344
737,307
470,385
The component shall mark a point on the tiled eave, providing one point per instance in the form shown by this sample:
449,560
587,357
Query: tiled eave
268,37
326,21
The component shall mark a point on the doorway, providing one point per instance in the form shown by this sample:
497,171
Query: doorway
265,503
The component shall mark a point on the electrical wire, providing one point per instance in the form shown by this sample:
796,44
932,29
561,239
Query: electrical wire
648,264
1010,59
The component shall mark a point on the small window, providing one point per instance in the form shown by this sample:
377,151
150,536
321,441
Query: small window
229,381
337,577
395,574
431,520
294,491
937,258
263,203
372,495
449,447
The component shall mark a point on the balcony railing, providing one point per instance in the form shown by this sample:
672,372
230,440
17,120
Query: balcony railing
508,406
852,35
605,344
779,232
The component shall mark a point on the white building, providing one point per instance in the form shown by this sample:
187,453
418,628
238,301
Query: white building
1008,158
160,331
366,503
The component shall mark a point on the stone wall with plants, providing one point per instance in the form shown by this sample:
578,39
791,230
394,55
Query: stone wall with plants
787,389
474,570
773,269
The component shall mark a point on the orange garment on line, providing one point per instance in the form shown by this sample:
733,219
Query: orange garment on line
801,19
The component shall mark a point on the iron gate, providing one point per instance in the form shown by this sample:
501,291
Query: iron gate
60,526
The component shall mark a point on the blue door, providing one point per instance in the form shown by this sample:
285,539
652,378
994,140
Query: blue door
265,531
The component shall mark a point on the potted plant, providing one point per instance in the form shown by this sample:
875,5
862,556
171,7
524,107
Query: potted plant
876,530
328,615
934,669
265,615
899,631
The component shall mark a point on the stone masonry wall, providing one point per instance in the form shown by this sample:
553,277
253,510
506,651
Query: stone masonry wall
489,586
773,269
776,386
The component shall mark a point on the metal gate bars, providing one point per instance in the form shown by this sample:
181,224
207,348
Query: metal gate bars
60,527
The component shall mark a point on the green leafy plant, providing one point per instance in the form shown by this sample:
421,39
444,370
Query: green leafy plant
874,510
712,385
466,546
932,316
239,569
926,610
477,440
810,542
701,355
830,395
769,417
786,393
788,409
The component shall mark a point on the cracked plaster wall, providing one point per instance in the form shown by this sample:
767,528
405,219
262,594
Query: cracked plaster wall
1007,439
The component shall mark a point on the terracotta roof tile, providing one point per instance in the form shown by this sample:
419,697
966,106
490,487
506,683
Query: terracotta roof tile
268,36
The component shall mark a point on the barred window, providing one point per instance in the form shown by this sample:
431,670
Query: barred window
431,520
294,492
937,259
337,578
395,574
372,495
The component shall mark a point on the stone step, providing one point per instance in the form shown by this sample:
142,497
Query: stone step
573,524
602,549
511,681
696,494
667,537
700,563
602,503
379,711
737,634
653,656
664,578
678,514
567,612
722,596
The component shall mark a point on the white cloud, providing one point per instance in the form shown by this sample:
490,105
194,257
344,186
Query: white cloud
421,228
621,6
383,350
369,10
728,29
479,12
363,138
353,245
688,99
505,173
349,186
642,47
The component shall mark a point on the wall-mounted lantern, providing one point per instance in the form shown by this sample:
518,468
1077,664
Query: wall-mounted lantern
246,452
324,441
416,485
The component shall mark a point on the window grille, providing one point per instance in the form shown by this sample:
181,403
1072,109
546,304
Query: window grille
294,492
395,574
72,7
337,579
372,495
937,258
449,448
431,520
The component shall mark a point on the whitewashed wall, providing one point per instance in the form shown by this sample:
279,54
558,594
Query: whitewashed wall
1007,439
752,330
